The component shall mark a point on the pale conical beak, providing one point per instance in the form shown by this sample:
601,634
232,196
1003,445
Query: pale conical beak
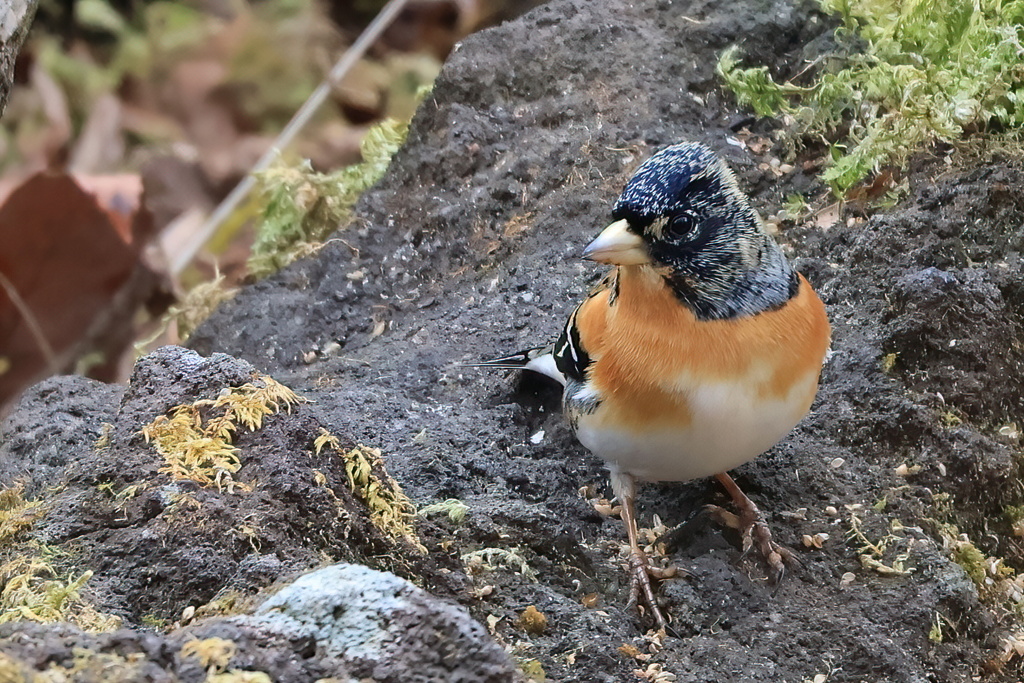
618,246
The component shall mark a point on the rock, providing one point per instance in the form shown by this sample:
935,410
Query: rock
383,627
55,423
341,622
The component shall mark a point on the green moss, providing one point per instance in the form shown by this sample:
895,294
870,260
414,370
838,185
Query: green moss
796,207
533,670
454,508
913,72
754,86
967,555
154,622
303,207
1015,516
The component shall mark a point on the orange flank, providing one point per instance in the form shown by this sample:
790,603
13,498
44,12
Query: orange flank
648,350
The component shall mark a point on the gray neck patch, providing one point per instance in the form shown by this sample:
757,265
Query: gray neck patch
763,288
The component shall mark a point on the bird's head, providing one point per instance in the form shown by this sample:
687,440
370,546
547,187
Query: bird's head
683,215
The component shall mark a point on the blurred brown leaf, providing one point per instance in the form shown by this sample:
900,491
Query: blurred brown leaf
71,275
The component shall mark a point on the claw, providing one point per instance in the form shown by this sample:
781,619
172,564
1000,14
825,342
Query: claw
754,533
753,530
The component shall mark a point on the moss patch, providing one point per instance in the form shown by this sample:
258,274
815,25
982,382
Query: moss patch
196,440
33,592
914,72
16,513
391,511
303,207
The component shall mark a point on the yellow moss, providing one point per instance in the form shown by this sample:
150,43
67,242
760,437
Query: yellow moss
935,632
224,603
88,665
889,362
12,671
251,534
125,494
951,419
103,442
533,670
533,621
214,654
197,305
28,595
325,438
391,511
196,440
16,513
872,553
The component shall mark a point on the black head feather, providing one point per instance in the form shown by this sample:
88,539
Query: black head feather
699,227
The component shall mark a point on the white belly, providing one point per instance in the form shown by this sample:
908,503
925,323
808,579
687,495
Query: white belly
730,425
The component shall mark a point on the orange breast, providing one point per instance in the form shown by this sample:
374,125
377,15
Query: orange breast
648,348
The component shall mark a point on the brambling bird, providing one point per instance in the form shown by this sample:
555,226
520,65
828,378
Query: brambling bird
700,350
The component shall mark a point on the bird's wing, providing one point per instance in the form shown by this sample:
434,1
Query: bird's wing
581,336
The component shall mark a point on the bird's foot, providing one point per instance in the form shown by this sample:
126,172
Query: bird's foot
756,536
641,592
754,532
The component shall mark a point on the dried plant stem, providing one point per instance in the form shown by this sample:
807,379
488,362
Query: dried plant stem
31,322
299,120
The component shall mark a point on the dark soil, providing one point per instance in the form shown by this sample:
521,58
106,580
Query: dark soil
469,248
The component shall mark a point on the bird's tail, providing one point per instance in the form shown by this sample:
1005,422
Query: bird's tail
538,359
515,361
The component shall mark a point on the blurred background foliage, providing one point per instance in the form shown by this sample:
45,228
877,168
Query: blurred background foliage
156,110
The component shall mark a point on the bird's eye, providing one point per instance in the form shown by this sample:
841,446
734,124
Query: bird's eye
680,225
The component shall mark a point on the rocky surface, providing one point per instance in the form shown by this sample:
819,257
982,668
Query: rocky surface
166,552
469,248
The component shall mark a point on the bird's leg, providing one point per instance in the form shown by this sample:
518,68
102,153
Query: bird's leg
624,486
752,527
